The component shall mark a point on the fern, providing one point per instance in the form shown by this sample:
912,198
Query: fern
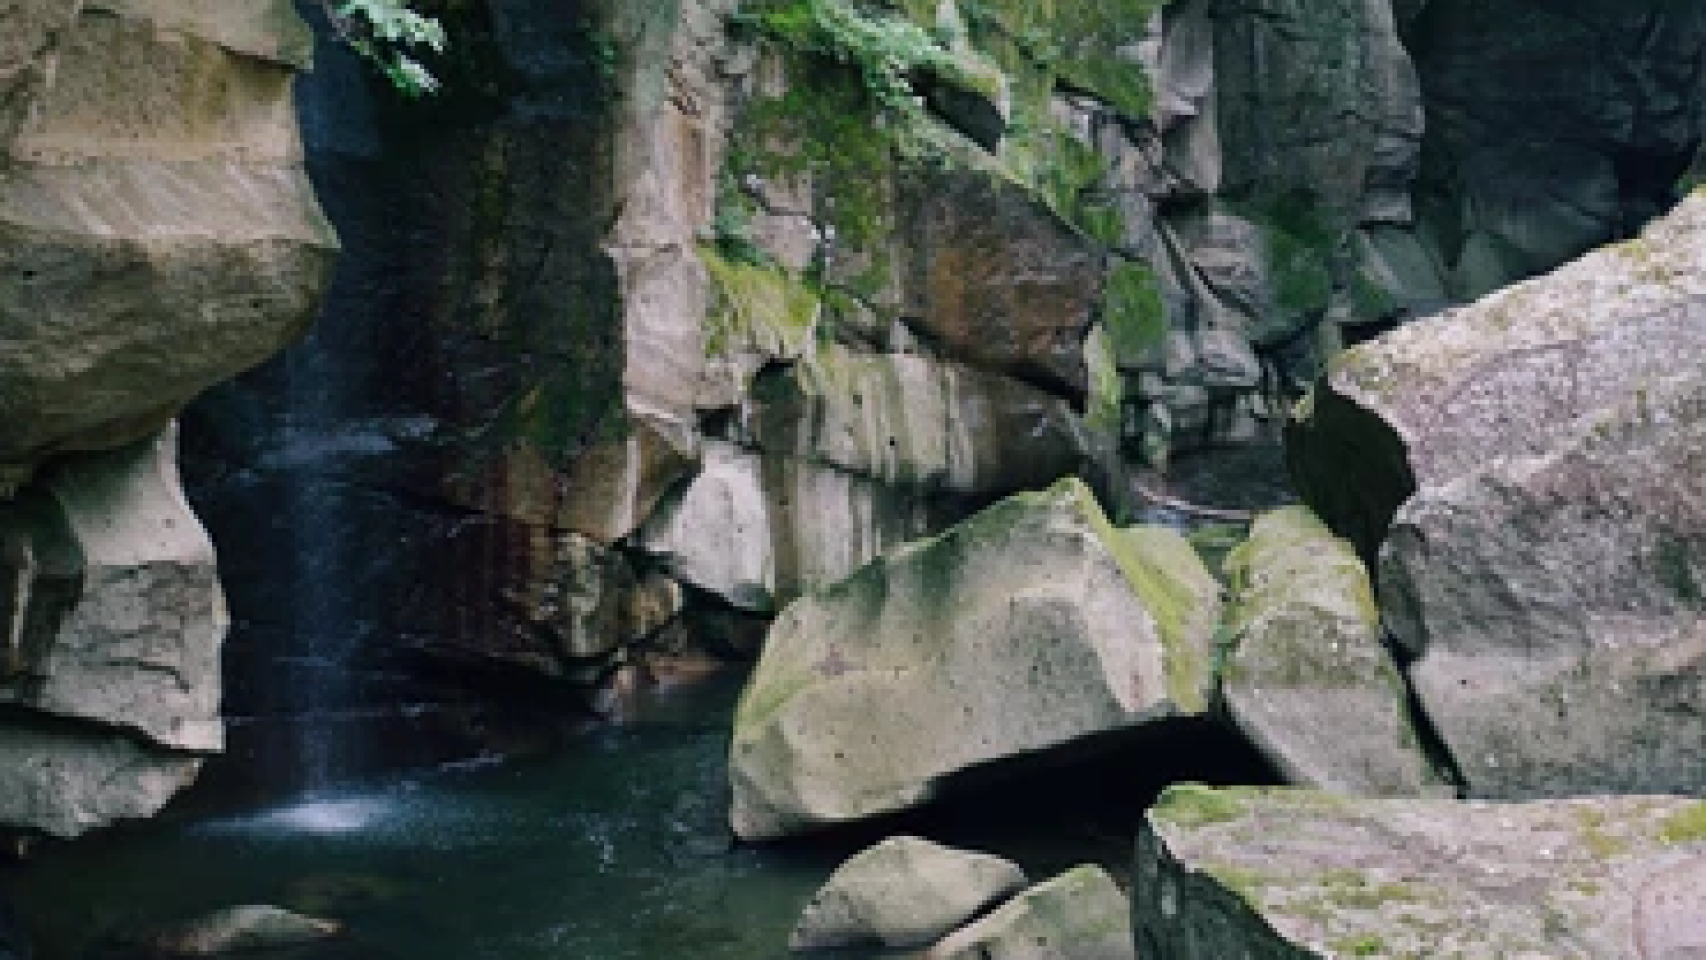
381,31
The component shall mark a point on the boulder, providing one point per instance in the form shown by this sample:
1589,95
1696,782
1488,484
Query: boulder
115,613
903,892
1296,873
66,779
1508,376
1558,604
157,232
1079,915
1307,677
1032,625
1528,462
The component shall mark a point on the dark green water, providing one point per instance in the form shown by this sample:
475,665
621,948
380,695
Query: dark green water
610,847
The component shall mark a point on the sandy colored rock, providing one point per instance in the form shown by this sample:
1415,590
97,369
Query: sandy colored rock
903,892
157,233
66,779
117,615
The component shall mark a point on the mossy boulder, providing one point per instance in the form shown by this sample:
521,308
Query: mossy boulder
1031,626
1080,915
1297,874
1306,677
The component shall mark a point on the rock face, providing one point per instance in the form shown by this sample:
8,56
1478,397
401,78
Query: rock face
1079,915
1308,680
1033,624
157,234
153,239
1545,572
116,614
903,892
1245,873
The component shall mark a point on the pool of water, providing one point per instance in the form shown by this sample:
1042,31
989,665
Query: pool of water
611,845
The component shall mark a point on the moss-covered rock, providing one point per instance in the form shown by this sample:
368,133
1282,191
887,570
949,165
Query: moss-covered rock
1080,915
1029,626
1292,874
1306,677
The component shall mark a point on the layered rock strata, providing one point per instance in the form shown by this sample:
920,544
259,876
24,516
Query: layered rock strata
157,234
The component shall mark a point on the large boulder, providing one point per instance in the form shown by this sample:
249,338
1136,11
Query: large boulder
1030,626
1080,915
1301,874
1559,604
1505,377
903,892
157,233
1528,462
1307,677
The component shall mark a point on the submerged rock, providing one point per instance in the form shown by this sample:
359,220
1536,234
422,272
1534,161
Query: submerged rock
248,927
1293,873
1308,679
1032,625
903,892
1079,915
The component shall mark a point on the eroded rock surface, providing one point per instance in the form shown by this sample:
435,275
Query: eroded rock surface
1299,874
157,233
1029,626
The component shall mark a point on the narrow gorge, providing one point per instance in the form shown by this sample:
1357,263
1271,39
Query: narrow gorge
580,511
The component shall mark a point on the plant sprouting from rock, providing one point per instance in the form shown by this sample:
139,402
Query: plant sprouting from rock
381,31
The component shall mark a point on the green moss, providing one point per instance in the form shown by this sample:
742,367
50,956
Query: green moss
1104,409
1687,825
1591,822
758,306
1175,588
1134,313
1368,945
1080,44
1192,805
